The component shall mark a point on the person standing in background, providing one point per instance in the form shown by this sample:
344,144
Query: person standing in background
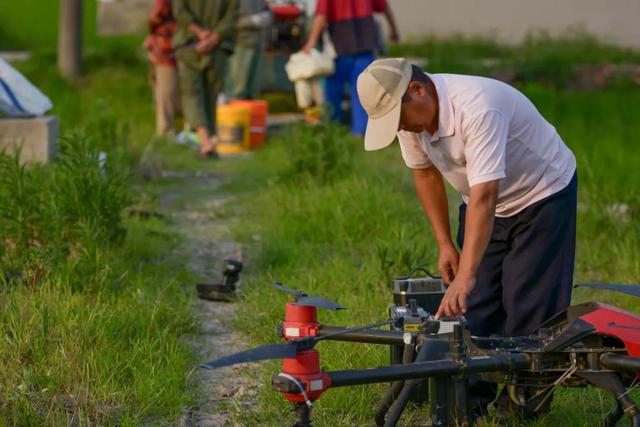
202,43
163,74
243,76
353,33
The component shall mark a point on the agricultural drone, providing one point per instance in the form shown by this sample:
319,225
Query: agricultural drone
589,344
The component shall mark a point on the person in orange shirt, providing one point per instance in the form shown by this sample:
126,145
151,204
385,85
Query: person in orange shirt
164,74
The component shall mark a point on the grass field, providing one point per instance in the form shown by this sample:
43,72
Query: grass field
101,344
32,25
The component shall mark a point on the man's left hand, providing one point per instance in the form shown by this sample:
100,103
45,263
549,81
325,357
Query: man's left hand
454,302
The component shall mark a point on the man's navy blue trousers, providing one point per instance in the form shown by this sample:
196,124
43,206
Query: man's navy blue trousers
526,274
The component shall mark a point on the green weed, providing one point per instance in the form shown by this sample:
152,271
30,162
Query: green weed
320,154
63,209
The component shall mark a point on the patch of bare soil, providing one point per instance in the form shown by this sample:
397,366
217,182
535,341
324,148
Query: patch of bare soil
201,214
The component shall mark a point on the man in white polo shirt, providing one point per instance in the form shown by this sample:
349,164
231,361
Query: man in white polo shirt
518,184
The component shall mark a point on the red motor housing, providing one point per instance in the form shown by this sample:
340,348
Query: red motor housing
306,369
300,321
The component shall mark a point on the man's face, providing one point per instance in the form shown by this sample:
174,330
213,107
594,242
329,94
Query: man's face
417,112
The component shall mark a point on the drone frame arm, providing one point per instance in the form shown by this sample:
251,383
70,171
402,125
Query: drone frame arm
620,362
506,362
369,336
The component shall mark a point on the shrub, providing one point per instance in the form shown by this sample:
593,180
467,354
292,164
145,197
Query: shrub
322,154
50,213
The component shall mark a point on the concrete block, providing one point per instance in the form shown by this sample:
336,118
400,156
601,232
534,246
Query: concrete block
38,138
121,17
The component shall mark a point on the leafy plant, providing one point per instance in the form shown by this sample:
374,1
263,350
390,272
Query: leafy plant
322,154
61,210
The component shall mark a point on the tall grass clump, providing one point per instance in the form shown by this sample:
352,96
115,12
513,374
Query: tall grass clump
320,154
65,209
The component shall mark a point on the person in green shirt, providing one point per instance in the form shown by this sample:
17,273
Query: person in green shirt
202,43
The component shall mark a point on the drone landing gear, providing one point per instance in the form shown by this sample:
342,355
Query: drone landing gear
395,388
449,397
304,415
625,405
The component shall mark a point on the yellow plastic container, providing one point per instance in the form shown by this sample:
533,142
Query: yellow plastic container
233,122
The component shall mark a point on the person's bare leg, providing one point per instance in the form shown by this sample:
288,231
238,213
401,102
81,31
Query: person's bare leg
166,96
206,146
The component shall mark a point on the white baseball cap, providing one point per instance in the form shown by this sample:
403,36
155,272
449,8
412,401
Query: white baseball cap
380,89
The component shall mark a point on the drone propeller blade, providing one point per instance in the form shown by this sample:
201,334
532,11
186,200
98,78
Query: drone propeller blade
287,350
279,286
266,352
309,300
627,289
312,301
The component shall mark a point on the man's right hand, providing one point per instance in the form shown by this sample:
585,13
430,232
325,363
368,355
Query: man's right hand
201,33
448,263
206,45
307,47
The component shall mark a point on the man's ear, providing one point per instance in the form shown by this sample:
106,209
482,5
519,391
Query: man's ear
417,88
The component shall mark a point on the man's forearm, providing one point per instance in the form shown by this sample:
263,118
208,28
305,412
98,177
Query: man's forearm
478,227
227,24
181,13
392,24
433,196
317,26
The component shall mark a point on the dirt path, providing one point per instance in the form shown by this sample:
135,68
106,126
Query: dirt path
202,215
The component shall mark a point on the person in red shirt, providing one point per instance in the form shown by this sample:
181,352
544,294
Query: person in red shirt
353,33
164,75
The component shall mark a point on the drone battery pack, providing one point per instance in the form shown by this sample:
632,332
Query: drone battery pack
427,291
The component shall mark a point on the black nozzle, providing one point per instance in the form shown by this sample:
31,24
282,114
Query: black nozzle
231,272
413,307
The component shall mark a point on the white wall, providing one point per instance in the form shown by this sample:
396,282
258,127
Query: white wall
616,21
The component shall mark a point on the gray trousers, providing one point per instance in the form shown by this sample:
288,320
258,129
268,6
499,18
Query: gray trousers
199,89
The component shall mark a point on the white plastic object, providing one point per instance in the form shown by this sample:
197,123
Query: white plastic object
20,93
303,66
